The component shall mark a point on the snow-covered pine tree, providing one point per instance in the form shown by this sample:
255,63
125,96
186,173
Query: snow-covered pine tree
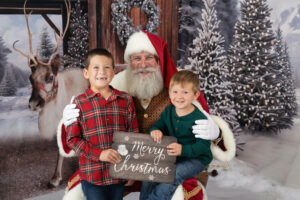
19,76
8,83
46,47
252,64
189,21
4,51
78,40
292,79
288,86
208,59
227,13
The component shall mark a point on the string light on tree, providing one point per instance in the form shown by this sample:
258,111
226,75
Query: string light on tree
252,62
78,39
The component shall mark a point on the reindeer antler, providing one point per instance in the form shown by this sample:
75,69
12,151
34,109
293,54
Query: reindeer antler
61,37
30,56
34,59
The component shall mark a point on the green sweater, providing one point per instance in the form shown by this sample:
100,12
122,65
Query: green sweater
181,128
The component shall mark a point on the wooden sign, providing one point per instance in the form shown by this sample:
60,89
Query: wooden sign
142,158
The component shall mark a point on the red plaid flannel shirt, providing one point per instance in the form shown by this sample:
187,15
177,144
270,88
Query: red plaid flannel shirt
93,131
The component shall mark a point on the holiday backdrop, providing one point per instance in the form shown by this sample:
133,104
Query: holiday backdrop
28,160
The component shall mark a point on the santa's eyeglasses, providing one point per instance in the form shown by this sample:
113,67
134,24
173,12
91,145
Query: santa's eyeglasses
148,59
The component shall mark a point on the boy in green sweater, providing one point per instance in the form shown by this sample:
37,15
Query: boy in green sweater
193,154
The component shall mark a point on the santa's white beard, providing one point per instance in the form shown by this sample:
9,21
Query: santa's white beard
144,86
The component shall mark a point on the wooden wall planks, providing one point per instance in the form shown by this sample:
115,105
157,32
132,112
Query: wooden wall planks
168,28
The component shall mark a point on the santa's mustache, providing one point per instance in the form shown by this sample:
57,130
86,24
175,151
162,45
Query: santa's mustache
147,69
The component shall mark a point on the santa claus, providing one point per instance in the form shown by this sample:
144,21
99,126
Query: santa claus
146,79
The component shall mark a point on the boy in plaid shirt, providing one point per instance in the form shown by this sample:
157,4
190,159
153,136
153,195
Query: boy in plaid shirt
103,110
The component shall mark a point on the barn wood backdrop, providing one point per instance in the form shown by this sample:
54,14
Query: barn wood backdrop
168,28
99,19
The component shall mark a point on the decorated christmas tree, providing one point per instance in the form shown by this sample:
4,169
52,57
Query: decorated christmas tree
208,59
78,40
288,86
46,47
252,63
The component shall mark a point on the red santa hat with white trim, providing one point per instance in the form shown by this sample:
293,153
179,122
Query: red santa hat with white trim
148,42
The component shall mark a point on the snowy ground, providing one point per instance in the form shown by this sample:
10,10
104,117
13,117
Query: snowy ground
16,118
267,169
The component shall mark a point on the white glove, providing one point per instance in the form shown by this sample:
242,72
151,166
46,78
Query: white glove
70,113
206,128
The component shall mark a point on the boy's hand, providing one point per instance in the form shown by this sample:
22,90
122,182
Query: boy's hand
110,155
156,135
129,183
174,149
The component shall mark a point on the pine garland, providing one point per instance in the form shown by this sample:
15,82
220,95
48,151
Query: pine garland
122,23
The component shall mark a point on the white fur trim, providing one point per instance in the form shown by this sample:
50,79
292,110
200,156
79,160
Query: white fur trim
136,43
198,105
119,81
228,139
76,193
178,194
59,142
203,190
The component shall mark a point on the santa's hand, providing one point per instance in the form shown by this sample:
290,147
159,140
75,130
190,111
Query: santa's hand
70,113
206,128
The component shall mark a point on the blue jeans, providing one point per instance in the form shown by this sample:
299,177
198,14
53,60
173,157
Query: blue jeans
106,192
162,191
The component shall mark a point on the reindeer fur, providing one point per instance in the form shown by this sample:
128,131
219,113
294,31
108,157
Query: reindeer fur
70,83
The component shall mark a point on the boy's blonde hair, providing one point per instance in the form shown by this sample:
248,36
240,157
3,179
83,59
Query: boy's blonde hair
183,77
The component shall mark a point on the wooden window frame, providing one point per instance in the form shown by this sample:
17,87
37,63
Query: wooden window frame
55,7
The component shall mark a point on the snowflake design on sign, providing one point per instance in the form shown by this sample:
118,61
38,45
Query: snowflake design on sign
122,150
126,138
136,156
151,177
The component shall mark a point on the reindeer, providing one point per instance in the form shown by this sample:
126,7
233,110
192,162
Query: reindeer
51,89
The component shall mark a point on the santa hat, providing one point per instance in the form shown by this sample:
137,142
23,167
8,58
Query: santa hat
145,41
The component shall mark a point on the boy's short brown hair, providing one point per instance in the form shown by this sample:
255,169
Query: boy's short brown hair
185,76
97,52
